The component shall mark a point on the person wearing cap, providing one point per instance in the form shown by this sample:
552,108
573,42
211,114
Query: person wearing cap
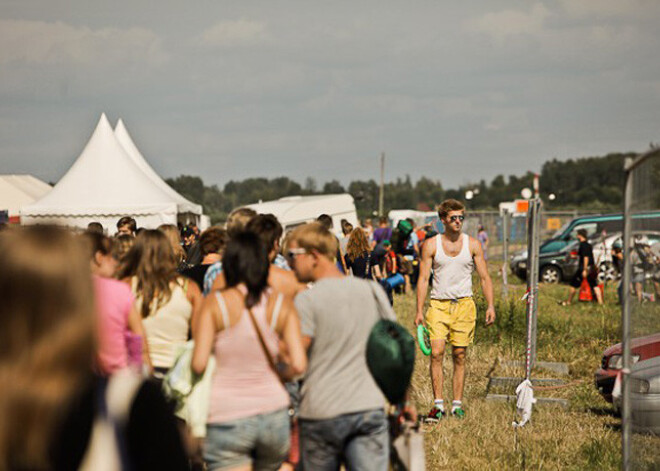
452,313
586,270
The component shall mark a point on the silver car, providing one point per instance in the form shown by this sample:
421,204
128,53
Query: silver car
645,396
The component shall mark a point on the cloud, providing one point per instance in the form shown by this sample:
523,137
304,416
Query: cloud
43,43
590,9
508,23
227,34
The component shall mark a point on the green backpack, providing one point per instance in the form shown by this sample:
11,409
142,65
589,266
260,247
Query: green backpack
390,356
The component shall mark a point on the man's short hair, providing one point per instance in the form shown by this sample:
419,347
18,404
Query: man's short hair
582,232
95,227
267,227
238,219
127,221
382,220
314,236
213,240
448,206
325,221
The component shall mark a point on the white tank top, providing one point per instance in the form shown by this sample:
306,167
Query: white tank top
452,276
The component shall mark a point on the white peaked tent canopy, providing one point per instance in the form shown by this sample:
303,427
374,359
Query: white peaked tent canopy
102,185
17,191
124,138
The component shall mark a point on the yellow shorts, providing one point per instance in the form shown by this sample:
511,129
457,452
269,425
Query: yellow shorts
452,320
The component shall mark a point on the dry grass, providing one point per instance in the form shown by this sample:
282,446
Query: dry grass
584,437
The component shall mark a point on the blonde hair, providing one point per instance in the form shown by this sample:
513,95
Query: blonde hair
314,236
47,338
357,244
173,235
238,219
151,261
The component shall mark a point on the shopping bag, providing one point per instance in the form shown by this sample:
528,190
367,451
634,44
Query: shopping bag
585,291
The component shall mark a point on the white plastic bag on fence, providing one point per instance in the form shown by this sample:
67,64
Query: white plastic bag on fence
525,401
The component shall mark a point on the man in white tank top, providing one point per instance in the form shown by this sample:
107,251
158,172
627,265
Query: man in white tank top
452,313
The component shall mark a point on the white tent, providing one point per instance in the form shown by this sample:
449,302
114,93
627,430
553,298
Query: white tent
104,184
124,138
293,211
17,191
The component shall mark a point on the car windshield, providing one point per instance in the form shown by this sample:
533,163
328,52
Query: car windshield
560,231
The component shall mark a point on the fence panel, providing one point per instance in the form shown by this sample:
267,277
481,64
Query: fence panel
641,319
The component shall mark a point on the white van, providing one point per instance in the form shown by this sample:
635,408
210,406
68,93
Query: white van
294,211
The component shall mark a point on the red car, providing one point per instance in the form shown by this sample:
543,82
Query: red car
642,348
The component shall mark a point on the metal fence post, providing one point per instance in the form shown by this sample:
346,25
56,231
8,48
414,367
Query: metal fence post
533,219
626,424
505,254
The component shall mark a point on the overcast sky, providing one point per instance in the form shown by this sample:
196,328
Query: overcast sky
456,91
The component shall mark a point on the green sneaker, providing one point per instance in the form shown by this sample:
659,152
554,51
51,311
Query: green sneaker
459,413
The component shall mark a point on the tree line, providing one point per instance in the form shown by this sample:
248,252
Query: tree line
584,183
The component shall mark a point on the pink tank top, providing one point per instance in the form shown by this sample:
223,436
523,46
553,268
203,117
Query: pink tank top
243,382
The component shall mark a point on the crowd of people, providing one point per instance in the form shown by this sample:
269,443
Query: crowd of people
94,325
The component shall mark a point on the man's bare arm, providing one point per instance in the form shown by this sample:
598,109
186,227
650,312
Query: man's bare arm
486,282
428,252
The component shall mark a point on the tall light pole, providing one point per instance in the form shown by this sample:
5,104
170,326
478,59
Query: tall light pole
381,193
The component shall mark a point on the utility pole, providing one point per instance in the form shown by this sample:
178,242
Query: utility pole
381,193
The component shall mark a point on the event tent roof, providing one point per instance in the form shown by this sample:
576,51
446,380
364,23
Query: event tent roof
102,183
126,141
17,191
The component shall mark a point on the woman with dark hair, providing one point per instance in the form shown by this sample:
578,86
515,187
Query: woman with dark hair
167,302
52,404
244,325
358,254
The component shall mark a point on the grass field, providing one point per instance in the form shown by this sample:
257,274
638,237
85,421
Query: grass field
586,436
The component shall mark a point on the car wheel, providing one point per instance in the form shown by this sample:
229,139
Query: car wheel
550,274
607,272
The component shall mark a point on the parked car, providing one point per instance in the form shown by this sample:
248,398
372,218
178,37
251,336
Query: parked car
551,266
594,225
642,348
644,396
597,224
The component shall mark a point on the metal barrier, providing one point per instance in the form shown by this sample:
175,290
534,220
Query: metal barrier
640,310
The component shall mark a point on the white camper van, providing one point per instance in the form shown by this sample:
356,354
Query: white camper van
294,211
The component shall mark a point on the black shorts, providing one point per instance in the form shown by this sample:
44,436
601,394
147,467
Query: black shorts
592,278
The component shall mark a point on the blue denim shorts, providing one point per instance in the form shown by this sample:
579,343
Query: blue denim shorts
358,440
262,440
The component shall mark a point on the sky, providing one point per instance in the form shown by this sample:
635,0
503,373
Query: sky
454,91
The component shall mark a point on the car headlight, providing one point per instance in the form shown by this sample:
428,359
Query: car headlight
639,386
616,361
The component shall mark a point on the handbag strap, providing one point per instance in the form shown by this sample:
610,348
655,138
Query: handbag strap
269,357
381,312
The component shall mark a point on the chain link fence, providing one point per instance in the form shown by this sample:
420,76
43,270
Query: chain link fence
492,222
640,292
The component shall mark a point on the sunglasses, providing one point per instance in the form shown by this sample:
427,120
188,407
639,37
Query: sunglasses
456,218
291,253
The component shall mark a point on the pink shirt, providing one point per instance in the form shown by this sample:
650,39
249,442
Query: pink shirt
243,382
113,304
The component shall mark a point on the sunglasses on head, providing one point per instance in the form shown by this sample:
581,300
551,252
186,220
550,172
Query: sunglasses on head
456,218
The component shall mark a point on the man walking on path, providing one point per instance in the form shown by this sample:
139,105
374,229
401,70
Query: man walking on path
452,313
342,417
